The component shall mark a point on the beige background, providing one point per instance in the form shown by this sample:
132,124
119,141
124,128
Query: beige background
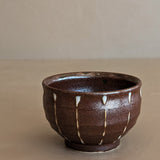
25,133
42,29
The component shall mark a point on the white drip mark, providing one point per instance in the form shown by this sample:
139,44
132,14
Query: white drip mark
129,116
140,92
119,137
55,113
101,142
78,98
104,99
55,97
125,128
129,97
105,125
115,141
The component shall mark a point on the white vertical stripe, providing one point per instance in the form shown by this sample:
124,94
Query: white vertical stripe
78,98
105,125
55,113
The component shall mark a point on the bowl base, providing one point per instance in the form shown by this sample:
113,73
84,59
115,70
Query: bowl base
92,148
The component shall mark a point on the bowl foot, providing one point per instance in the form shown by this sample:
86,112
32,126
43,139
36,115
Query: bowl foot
92,148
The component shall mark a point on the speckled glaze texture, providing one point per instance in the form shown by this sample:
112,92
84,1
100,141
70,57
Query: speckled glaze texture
92,110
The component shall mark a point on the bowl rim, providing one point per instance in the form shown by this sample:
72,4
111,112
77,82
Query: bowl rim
85,74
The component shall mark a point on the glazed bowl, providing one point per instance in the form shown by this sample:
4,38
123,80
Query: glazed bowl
92,111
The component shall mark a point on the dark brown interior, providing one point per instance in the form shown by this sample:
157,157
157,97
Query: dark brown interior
93,84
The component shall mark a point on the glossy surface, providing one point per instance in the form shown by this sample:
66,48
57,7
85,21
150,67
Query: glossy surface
101,115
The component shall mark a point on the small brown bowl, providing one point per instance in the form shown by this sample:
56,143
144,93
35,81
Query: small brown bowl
92,111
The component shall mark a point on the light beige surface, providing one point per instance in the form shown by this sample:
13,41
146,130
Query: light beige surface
25,134
43,29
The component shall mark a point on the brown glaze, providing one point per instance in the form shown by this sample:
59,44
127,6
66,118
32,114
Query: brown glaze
92,110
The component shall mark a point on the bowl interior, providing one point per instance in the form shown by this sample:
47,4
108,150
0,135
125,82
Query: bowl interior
100,83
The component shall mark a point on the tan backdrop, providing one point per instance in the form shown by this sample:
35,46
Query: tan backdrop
38,29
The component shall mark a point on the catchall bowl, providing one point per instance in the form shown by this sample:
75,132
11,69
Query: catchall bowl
92,111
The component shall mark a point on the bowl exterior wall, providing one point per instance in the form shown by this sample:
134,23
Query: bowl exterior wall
91,118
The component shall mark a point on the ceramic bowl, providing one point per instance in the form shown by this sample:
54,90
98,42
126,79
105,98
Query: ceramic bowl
92,111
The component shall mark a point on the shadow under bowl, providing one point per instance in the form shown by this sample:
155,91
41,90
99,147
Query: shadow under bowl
92,110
